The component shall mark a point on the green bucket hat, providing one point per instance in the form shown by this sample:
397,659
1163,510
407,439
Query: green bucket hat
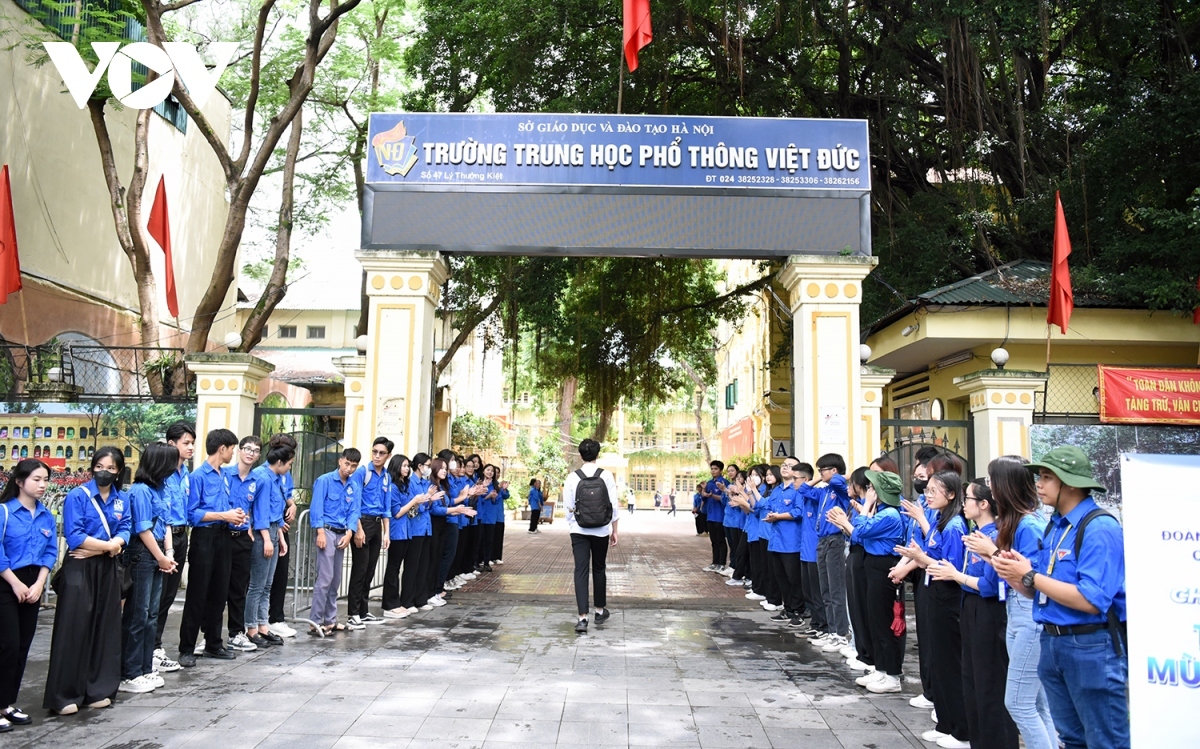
1071,466
887,486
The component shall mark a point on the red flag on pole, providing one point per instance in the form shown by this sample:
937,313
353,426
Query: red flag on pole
637,30
1062,301
159,227
10,261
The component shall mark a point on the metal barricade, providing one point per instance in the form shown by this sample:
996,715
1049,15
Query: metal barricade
304,566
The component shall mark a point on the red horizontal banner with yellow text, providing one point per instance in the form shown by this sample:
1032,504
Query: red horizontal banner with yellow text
1131,395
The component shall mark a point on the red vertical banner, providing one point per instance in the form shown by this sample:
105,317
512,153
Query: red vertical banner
159,227
1062,300
10,261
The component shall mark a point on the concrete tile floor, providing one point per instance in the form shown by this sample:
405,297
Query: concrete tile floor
685,661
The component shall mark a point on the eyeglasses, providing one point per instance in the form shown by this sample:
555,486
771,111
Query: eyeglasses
379,452
251,450
826,468
971,498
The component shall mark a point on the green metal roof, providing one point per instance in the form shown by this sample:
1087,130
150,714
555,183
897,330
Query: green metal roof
1017,282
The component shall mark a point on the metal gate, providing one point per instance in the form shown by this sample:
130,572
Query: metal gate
902,438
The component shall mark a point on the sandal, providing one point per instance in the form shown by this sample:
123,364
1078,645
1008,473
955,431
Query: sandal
316,632
337,627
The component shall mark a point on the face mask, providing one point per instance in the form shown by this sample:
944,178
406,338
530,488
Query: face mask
104,478
919,485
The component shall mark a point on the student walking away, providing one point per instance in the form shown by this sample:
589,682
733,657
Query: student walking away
267,508
984,653
210,552
714,511
698,513
373,532
85,649
590,496
831,551
1077,583
182,436
784,516
1019,527
241,540
148,558
943,542
28,551
535,505
333,515
406,498
879,529
279,583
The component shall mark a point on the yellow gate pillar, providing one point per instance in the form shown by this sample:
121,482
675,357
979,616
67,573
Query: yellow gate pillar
403,287
1002,404
874,380
825,292
226,392
354,369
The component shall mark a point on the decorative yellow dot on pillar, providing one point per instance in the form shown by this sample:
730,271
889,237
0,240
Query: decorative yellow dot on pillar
219,384
233,384
415,283
813,290
850,290
205,384
869,396
377,282
1026,398
397,283
831,290
1010,398
355,386
996,397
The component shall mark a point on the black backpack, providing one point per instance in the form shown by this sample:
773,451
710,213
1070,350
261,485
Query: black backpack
593,507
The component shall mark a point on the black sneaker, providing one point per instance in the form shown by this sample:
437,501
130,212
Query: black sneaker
795,622
581,626
187,660
272,638
602,616
780,616
220,654
16,717
260,641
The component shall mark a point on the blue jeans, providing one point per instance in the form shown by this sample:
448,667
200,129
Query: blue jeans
139,620
1023,694
1087,685
262,572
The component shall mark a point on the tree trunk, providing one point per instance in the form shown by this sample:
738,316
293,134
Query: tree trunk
566,415
698,408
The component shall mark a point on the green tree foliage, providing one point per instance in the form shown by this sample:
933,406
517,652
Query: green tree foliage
978,112
470,433
542,459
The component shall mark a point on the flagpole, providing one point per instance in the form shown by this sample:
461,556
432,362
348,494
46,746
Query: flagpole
1047,347
24,322
620,79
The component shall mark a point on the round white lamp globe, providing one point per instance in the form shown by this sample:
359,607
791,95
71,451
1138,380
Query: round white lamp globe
999,357
233,339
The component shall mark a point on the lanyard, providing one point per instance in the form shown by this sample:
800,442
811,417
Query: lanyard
1054,553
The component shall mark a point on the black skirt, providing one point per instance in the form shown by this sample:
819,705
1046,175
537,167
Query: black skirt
85,651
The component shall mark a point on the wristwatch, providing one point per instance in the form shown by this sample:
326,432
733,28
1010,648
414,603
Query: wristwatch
1027,579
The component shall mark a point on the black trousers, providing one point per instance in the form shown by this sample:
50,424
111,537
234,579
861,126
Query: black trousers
701,523
945,668
985,673
170,587
209,560
487,544
785,567
240,547
450,543
85,649
433,551
363,560
741,559
18,623
731,540
468,547
856,601
880,603
593,549
498,544
416,571
716,537
279,583
811,580
764,574
391,574
535,517
924,636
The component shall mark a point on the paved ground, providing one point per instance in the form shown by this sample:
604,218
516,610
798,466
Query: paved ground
684,661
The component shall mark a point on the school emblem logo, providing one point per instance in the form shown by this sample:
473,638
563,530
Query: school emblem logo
118,506
395,150
46,532
1063,554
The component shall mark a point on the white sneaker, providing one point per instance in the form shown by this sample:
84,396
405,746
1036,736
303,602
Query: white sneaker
921,701
135,686
355,624
242,643
282,629
471,575
427,607
949,742
856,665
500,561
820,641
395,613
834,644
770,606
435,601
732,582
932,735
869,677
849,651
755,597
727,572
413,609
163,663
884,685
933,715
709,568
155,680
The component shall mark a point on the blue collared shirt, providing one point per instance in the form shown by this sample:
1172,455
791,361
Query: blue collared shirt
176,488
267,503
149,508
457,485
698,502
975,566
879,534
375,490
733,517
785,534
399,526
947,544
30,538
535,498
809,496
751,525
241,493
420,525
832,495
335,503
715,508
80,519
1099,572
208,491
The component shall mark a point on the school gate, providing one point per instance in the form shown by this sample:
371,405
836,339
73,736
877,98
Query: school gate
613,185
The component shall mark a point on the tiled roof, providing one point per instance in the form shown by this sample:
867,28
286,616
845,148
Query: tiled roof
304,366
1017,282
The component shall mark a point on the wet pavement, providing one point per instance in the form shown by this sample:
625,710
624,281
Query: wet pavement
684,661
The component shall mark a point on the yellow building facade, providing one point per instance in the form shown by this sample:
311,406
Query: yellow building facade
65,441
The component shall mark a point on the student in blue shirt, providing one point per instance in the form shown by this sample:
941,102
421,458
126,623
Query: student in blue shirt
858,655
85,649
408,505
1079,599
279,584
148,557
714,511
182,436
241,540
732,520
785,517
501,510
751,496
944,542
491,518
333,516
535,505
28,551
810,578
211,516
373,533
879,529
831,552
268,504
765,585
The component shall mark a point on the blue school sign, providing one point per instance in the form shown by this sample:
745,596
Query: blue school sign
640,185
605,150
